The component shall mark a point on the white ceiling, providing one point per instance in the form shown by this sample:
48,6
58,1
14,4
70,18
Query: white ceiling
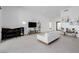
47,11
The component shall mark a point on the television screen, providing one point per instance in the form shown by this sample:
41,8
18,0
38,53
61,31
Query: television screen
32,24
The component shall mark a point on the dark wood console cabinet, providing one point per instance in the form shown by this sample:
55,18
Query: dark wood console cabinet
10,33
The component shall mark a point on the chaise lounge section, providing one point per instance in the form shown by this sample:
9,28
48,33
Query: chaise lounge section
48,37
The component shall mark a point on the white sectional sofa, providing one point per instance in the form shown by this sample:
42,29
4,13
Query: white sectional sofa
48,37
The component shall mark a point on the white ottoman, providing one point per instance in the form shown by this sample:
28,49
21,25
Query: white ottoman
48,37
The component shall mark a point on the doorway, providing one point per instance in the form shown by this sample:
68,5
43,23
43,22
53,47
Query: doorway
58,25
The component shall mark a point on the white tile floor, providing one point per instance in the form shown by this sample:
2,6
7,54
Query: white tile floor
29,44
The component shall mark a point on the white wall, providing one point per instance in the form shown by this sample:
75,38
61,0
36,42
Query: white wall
12,17
25,15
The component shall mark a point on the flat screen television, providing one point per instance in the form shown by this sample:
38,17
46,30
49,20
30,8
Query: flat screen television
32,24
